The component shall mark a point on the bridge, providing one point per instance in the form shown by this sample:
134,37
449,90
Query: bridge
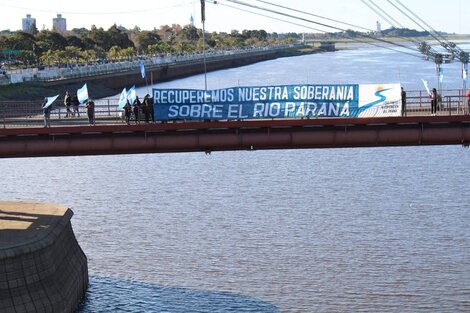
23,135
234,135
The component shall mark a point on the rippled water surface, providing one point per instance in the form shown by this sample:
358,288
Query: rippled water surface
326,230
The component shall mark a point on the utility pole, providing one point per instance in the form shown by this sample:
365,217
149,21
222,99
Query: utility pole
464,58
438,60
203,19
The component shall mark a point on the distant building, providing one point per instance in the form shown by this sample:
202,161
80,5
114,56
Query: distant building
191,20
378,29
59,24
28,24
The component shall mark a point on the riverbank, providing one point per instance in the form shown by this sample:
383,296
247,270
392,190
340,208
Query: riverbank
111,83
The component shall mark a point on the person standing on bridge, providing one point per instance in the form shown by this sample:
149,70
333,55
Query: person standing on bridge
146,107
68,104
90,111
128,112
47,113
136,109
75,104
433,97
468,101
403,102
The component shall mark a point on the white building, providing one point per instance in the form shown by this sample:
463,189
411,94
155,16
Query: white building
59,24
379,28
27,23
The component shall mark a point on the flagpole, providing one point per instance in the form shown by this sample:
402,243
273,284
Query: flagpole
464,76
203,19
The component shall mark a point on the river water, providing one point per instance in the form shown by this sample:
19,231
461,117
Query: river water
325,230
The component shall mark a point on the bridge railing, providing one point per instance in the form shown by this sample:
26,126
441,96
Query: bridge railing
452,102
87,70
29,113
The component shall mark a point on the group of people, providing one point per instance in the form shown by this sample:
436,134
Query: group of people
146,107
71,104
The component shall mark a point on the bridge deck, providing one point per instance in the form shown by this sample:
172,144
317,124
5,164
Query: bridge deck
234,135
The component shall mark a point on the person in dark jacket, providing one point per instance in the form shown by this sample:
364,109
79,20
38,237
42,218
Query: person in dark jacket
147,107
137,105
128,112
90,111
403,102
433,97
68,104
75,104
47,113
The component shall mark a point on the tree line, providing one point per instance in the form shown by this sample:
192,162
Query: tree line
81,45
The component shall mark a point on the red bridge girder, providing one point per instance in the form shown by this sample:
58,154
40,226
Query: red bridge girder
234,135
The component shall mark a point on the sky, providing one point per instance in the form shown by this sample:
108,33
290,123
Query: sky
452,16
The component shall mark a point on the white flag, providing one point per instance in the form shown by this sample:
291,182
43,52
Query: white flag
82,94
131,95
142,69
122,99
49,101
425,83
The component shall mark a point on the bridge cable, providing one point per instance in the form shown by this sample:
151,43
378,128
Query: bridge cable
314,15
319,30
318,23
417,42
348,24
449,46
263,15
377,12
386,14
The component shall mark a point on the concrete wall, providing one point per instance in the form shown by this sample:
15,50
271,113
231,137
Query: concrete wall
45,275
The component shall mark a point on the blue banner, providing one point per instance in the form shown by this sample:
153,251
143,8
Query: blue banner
268,102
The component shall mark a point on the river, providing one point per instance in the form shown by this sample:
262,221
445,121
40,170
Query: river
320,230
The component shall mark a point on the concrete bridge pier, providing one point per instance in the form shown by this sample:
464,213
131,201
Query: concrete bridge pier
42,267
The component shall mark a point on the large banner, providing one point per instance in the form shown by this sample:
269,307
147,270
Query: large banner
284,101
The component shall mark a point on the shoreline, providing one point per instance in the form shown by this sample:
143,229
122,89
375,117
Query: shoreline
109,84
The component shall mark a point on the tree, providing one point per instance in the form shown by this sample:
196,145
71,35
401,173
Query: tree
114,53
88,55
72,53
75,41
118,37
189,33
144,39
51,40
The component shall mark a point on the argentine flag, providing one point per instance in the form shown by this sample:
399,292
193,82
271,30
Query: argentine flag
142,69
131,95
49,101
425,83
122,99
82,94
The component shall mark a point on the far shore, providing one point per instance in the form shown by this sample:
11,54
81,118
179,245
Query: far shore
110,84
